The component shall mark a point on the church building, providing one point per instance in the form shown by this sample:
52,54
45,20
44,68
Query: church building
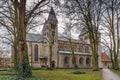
38,47
39,51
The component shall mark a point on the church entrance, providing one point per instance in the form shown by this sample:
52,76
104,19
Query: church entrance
43,62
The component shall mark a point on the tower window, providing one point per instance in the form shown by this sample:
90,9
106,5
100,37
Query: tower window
53,33
52,26
86,49
86,37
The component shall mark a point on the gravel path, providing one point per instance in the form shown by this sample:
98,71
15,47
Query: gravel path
107,74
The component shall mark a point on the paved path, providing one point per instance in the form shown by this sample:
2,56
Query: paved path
107,74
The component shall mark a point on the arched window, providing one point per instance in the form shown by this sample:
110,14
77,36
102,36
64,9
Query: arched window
66,60
36,53
88,61
81,61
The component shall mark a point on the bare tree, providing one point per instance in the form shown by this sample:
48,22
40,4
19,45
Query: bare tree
70,23
89,12
9,20
3,54
111,18
18,17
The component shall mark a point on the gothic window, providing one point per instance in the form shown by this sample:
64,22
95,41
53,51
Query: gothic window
86,37
66,46
53,34
52,26
81,61
86,49
66,60
36,53
80,48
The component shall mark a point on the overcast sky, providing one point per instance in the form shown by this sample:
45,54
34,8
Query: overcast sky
37,30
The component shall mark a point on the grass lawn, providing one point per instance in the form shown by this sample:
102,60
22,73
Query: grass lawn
56,74
18,78
12,75
66,74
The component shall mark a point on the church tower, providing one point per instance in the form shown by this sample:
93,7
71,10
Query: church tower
50,32
50,29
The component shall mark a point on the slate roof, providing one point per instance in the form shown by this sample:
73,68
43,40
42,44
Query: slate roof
83,31
52,15
105,57
44,28
72,40
65,39
35,37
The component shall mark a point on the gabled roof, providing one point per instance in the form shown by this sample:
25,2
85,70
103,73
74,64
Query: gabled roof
105,57
51,17
34,37
83,31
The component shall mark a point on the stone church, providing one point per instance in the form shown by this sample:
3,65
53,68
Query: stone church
38,47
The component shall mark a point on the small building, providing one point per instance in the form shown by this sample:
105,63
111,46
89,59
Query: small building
105,61
5,62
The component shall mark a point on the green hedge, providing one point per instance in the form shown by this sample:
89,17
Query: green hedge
19,78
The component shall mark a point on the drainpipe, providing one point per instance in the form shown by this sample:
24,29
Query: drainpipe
58,59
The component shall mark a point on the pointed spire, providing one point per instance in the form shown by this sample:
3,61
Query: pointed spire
52,15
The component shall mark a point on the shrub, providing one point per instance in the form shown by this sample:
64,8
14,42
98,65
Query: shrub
78,72
19,78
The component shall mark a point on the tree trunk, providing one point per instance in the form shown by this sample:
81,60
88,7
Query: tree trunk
24,61
73,55
15,49
74,61
50,59
111,56
15,57
95,57
94,47
116,67
95,64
